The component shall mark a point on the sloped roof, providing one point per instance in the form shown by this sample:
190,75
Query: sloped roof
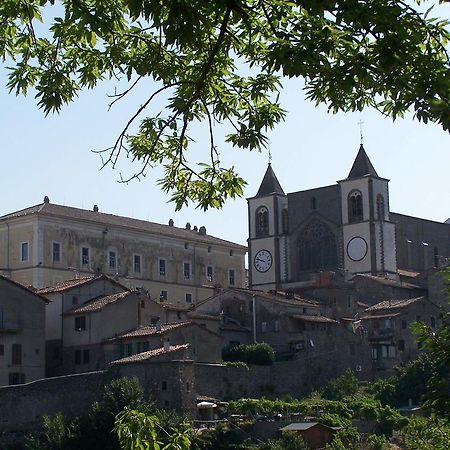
152,330
317,319
37,295
303,426
145,356
387,281
98,303
362,165
270,184
381,316
393,304
66,285
68,212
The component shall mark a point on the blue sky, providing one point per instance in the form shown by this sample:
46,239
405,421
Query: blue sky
53,156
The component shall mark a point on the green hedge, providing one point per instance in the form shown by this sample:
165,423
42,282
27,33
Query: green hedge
260,354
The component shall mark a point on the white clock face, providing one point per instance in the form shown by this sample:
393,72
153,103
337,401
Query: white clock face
263,261
357,248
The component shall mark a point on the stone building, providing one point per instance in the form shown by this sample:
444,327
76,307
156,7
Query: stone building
387,325
22,333
205,346
346,228
45,244
63,297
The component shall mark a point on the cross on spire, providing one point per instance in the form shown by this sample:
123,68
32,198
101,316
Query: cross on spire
360,123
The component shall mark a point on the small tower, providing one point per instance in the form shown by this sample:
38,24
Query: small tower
368,235
267,212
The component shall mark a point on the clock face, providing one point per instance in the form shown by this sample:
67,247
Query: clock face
263,261
357,248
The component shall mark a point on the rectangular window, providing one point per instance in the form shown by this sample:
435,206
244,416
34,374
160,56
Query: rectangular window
164,386
74,299
263,327
112,260
80,323
401,345
2,349
188,297
163,296
162,267
16,358
186,270
77,357
145,346
85,256
209,274
276,326
231,277
56,251
137,263
404,324
86,356
24,251
374,353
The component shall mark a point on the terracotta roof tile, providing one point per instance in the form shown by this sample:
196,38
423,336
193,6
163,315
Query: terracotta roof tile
317,319
49,209
97,304
152,330
68,284
145,356
393,304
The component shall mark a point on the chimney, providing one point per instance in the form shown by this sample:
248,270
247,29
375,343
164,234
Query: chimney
95,208
171,223
46,200
167,345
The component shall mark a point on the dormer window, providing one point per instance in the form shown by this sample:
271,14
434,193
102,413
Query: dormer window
262,221
355,207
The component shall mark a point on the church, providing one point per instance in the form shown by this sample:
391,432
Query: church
344,229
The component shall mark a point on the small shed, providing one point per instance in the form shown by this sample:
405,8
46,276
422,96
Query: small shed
315,434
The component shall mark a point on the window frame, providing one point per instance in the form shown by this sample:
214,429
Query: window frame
81,322
163,295
162,267
355,206
58,259
210,276
232,279
83,261
186,296
187,275
137,257
24,257
114,259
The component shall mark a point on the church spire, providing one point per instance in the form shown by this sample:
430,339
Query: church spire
362,165
269,184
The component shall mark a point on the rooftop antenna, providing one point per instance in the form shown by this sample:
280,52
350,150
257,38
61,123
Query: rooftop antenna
360,123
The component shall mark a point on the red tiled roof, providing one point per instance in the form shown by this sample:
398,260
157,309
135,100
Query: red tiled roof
319,319
152,330
387,281
393,304
50,209
145,356
97,304
75,282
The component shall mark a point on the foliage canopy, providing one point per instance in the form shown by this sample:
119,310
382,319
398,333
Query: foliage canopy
223,61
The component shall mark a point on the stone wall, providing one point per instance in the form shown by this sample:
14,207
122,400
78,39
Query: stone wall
23,406
296,378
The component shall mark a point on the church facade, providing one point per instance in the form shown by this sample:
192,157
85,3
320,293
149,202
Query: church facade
346,228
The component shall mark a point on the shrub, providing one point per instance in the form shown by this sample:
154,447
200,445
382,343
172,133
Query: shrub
260,354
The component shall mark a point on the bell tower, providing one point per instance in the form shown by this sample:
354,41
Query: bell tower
368,234
267,219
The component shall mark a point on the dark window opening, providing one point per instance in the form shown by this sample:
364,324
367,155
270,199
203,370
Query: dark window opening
77,357
355,207
85,356
80,323
164,386
16,354
16,378
401,345
262,222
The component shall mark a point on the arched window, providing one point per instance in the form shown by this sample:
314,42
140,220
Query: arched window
285,221
262,221
355,207
317,247
380,207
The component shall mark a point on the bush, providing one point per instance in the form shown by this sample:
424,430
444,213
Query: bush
340,387
259,354
236,364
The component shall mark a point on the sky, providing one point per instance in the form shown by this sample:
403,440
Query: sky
54,156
